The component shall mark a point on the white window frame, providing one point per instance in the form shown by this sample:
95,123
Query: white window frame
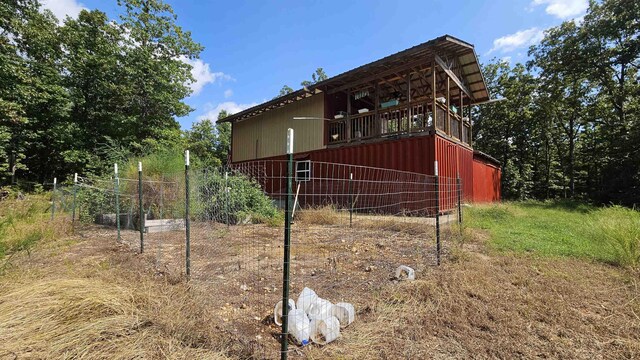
304,174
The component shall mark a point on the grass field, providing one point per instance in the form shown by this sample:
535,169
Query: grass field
610,235
507,292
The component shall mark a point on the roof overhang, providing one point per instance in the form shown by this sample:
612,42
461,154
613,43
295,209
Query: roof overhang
445,46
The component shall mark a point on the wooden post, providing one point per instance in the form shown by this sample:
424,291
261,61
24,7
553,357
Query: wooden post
408,79
349,115
461,127
435,93
447,125
378,121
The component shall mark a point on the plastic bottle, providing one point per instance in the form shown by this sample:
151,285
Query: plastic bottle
411,274
325,330
345,313
306,298
299,326
277,311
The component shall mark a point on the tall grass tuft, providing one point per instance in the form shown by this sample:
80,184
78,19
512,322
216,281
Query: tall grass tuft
26,222
619,228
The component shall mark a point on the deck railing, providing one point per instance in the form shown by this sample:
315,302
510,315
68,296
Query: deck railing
394,121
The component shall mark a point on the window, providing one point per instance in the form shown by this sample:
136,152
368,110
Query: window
303,170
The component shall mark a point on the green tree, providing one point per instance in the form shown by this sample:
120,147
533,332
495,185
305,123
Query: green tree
210,142
153,58
316,77
95,81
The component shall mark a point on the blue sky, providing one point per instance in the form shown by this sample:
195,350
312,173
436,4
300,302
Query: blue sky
253,48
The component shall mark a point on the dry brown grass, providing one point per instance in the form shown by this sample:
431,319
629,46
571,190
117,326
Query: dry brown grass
325,215
94,299
500,307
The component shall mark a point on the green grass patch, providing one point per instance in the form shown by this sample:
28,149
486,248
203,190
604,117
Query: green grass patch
561,228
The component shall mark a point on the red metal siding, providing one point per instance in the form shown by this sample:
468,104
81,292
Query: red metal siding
454,160
413,154
486,181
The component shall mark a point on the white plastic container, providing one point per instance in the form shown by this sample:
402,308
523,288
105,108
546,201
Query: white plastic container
321,308
306,298
299,326
411,274
344,312
324,331
277,311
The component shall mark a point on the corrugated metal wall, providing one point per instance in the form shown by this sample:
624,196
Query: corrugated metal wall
454,159
486,181
480,179
265,135
413,154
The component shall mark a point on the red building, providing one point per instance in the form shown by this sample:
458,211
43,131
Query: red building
402,112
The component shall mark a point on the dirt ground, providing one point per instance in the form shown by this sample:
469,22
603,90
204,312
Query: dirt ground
477,304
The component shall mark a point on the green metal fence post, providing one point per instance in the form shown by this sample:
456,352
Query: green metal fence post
75,194
116,185
437,191
53,198
141,208
187,222
287,249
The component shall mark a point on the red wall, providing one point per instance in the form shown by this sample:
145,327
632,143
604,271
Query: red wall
486,181
480,179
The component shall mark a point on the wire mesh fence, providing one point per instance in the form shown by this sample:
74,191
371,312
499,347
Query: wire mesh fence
352,228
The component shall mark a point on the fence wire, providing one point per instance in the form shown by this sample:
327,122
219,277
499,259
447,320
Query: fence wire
353,227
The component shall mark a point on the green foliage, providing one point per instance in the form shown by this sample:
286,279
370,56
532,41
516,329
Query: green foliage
316,77
245,200
113,92
570,124
24,222
209,143
561,228
619,228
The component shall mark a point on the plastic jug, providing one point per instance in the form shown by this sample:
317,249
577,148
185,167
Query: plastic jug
299,326
411,274
344,312
325,330
277,311
320,309
306,298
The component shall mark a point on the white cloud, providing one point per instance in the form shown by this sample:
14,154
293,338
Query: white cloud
202,74
228,93
563,9
62,8
520,39
507,59
230,106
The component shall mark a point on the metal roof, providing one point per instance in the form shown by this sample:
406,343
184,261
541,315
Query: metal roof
425,52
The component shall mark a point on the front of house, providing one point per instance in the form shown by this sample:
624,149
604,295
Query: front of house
402,112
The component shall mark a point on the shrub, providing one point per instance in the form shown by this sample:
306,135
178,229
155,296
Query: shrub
245,201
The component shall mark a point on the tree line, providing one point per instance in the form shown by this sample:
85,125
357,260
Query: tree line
568,125
80,94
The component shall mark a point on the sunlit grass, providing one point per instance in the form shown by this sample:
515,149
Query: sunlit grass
610,235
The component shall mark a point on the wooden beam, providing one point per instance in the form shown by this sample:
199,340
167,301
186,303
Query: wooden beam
348,115
433,99
453,77
380,74
377,107
408,76
447,125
